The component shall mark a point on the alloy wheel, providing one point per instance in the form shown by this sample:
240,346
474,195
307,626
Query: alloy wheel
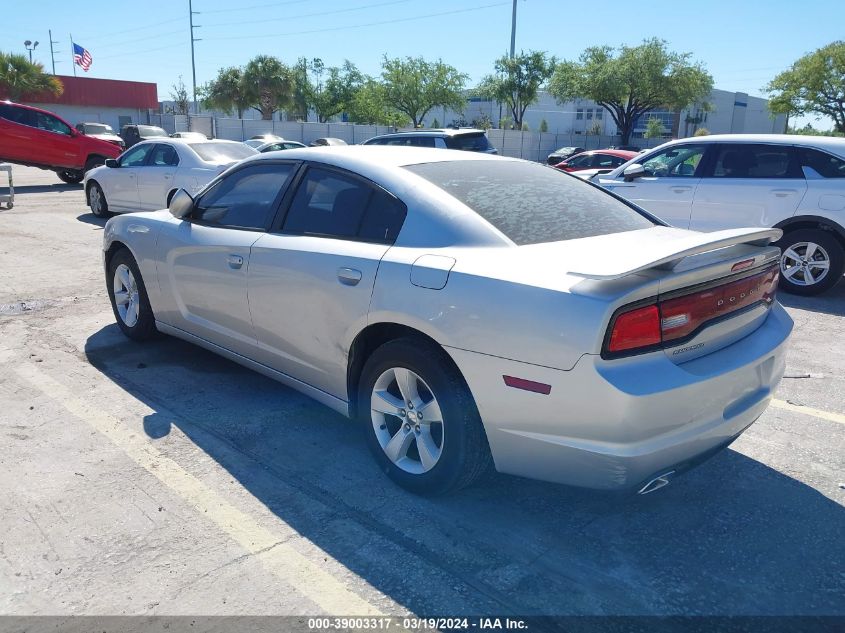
407,420
804,263
126,296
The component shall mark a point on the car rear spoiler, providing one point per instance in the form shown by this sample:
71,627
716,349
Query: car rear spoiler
667,251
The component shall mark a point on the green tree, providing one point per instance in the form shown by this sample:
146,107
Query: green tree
370,106
702,131
517,81
20,78
595,129
654,128
815,84
632,80
435,123
413,86
179,96
226,92
268,85
544,127
330,91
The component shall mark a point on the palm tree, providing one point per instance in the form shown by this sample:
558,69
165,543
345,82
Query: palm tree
269,85
227,92
20,78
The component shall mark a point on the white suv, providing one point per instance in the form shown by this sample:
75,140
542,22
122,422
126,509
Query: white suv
795,183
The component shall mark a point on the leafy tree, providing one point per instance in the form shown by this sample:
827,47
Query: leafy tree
435,123
226,92
369,105
525,127
631,81
505,123
20,78
595,129
815,84
413,86
268,85
331,90
179,96
809,130
654,128
482,122
702,131
544,127
517,81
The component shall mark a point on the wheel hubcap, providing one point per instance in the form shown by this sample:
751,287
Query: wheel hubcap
407,420
94,199
126,295
804,263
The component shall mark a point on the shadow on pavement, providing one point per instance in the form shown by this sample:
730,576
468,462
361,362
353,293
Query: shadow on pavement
56,188
732,537
90,218
831,302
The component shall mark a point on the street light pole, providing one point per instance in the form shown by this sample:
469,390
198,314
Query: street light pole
191,14
513,31
30,46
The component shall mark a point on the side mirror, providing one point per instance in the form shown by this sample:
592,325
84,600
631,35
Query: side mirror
111,162
633,171
181,204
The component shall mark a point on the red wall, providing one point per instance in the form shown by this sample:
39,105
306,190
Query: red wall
112,93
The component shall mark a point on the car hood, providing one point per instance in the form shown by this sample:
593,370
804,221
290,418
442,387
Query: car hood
106,137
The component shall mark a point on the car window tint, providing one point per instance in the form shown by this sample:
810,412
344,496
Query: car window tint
532,203
580,161
327,203
50,123
678,160
383,218
824,164
471,142
244,199
422,141
164,156
136,156
753,161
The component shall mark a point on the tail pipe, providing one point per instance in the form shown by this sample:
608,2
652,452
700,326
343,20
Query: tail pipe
661,481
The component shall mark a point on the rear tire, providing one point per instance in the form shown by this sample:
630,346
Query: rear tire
70,176
811,261
427,456
97,200
128,297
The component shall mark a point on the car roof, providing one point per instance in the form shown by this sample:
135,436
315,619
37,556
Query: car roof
356,157
621,153
828,142
434,132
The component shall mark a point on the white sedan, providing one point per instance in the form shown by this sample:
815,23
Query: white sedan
472,311
147,175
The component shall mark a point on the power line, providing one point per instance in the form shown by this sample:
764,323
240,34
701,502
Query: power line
142,39
135,53
311,15
359,26
137,28
255,6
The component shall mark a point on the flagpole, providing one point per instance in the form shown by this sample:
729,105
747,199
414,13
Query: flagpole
72,62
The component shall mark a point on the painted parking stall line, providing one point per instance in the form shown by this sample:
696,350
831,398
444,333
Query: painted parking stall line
816,413
276,554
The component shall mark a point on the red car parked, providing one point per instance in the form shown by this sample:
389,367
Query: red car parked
35,137
596,159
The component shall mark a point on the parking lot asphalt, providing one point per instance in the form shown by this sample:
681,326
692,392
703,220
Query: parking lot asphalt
160,479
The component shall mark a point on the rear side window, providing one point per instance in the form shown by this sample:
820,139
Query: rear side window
532,203
222,152
824,164
164,156
755,161
331,204
245,199
469,142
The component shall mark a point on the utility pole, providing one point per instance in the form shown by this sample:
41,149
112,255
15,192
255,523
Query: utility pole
191,14
513,31
53,51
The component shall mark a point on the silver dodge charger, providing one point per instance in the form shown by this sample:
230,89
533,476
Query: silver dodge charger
472,311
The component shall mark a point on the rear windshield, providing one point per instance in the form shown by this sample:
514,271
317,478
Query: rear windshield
150,130
470,142
222,152
91,128
532,203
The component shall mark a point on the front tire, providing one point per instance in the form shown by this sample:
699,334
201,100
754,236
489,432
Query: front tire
128,296
97,200
93,162
420,420
811,261
70,176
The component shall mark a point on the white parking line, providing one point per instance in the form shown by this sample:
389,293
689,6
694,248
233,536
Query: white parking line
816,413
276,555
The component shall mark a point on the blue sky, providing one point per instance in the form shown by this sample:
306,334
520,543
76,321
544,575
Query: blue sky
743,43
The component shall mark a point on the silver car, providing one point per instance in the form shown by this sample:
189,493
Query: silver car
472,311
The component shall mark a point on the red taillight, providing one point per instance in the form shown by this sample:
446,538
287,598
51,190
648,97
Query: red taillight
635,329
672,320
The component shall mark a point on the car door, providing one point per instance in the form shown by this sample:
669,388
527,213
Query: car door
17,129
203,261
120,184
748,184
311,279
667,188
155,177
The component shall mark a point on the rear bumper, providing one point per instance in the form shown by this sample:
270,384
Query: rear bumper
616,424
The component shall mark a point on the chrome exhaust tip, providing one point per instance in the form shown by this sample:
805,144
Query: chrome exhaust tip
661,481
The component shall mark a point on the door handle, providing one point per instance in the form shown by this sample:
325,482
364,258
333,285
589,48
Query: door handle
235,261
782,193
678,189
348,276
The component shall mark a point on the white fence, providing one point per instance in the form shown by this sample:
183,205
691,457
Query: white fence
534,146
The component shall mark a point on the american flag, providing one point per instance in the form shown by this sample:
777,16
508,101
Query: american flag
82,57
